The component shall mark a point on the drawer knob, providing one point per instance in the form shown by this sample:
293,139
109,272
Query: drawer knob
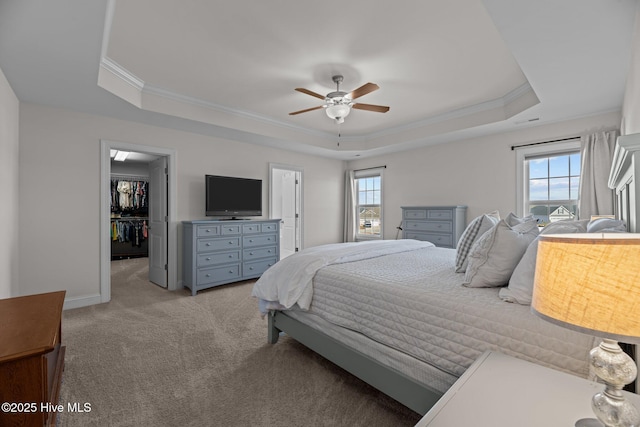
250,253
208,275
208,244
230,256
250,240
231,243
208,259
230,271
250,268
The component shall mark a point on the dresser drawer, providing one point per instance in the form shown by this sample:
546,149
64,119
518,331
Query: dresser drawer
218,274
207,230
415,214
437,226
218,244
260,240
218,258
443,240
256,253
269,228
257,267
251,228
439,214
227,230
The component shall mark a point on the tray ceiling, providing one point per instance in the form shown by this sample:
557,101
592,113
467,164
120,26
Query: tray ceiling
448,70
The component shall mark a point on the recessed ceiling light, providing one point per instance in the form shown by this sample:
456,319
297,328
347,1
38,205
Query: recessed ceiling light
121,156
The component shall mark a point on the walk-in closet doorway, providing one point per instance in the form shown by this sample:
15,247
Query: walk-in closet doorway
136,214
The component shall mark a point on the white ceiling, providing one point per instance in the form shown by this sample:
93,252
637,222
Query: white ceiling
448,69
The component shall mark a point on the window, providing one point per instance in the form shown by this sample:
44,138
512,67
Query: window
368,187
549,181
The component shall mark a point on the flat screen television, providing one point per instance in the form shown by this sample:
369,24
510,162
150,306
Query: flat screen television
230,196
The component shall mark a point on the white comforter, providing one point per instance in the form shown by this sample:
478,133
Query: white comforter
290,281
413,301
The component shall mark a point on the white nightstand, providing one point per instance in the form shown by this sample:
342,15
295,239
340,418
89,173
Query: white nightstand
501,391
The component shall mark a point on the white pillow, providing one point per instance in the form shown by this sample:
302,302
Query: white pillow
512,219
470,235
520,286
496,254
606,225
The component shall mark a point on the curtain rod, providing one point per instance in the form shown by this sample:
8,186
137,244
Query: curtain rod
513,147
366,169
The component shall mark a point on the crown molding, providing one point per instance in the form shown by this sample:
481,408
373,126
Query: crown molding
122,74
201,103
111,66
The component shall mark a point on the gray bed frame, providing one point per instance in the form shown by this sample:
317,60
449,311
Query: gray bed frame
395,384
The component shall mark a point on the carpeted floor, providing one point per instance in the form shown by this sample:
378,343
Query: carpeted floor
151,357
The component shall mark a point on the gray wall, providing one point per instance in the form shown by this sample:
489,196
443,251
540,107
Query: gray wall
60,178
9,125
479,173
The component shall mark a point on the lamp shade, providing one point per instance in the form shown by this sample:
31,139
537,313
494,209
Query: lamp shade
590,283
338,111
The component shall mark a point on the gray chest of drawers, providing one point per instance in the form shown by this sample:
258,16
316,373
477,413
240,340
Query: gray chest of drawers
440,225
220,252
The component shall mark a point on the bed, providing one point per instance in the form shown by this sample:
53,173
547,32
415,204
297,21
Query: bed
397,315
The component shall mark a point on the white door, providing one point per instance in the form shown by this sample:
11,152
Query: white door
286,196
288,243
157,229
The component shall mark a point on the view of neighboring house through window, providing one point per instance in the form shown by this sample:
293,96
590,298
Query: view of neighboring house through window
369,204
552,183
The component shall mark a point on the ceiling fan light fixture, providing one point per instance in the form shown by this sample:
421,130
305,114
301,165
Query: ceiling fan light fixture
338,112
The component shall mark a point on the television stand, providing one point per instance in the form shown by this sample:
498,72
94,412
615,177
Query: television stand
217,252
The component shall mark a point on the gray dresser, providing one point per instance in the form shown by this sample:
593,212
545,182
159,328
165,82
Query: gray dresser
440,225
220,252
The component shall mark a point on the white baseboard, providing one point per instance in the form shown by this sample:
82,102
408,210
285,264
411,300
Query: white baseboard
70,303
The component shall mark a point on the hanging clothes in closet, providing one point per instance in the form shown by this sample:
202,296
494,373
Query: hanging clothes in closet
129,210
129,195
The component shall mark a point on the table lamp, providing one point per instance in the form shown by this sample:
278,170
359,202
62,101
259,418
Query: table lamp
591,283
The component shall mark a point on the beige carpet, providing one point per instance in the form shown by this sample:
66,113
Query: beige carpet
156,358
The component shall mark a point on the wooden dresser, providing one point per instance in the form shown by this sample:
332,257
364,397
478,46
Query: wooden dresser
440,225
31,359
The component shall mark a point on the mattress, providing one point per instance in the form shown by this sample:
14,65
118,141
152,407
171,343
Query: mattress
412,309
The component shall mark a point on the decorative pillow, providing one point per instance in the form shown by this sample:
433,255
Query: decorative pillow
606,225
566,226
520,286
496,254
474,230
512,219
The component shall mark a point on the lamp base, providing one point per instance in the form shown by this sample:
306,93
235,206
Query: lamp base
589,422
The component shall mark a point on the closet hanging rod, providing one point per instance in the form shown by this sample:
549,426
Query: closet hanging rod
134,177
131,218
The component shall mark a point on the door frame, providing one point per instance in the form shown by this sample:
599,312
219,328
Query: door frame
105,212
300,170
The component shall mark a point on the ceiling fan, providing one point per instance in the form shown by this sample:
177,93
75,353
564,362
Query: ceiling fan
338,104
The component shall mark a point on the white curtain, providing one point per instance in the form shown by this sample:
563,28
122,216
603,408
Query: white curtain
349,207
595,197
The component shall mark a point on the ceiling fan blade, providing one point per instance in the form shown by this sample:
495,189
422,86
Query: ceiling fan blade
304,111
369,107
363,90
308,92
